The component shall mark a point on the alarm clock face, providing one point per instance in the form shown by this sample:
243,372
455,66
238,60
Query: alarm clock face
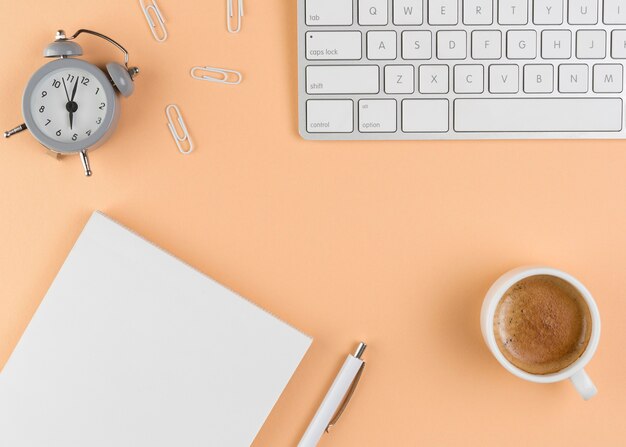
69,105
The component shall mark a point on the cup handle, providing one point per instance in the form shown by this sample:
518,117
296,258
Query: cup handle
584,385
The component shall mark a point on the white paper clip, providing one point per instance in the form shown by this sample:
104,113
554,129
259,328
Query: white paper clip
157,28
221,75
178,138
230,14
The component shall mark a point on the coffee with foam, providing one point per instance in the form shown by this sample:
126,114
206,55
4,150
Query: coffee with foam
542,324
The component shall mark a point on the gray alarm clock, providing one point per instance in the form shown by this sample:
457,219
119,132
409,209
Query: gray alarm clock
70,105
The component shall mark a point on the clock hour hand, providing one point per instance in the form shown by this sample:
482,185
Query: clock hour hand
67,105
65,87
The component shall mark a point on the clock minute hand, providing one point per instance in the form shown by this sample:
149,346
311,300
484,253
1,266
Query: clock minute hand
75,88
72,105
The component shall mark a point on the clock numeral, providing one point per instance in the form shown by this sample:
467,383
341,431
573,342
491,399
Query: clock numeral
71,77
102,106
56,83
99,120
97,90
59,133
41,109
84,81
44,94
49,121
75,137
88,133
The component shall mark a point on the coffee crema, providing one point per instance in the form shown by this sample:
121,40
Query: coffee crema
542,324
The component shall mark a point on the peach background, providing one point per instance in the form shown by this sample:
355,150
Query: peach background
391,242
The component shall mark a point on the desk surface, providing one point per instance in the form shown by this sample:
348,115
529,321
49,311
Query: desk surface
393,242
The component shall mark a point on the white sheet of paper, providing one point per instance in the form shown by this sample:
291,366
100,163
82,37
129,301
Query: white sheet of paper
133,348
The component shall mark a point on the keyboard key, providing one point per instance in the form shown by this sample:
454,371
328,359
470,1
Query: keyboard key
583,12
556,44
408,12
538,115
618,46
425,115
372,12
538,78
328,12
433,79
381,45
416,45
573,78
443,12
330,45
591,44
503,79
337,79
486,44
521,44
478,12
468,79
399,79
377,115
329,115
614,12
608,78
513,12
451,44
548,12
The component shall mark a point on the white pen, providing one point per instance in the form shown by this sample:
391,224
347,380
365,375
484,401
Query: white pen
336,399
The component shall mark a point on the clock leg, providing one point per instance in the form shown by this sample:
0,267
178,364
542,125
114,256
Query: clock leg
54,155
85,160
18,129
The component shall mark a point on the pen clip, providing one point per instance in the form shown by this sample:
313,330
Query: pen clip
348,396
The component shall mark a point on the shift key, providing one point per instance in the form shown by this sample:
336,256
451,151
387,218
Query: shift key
341,79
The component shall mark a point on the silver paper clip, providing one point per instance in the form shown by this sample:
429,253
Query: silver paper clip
157,28
230,14
178,138
221,75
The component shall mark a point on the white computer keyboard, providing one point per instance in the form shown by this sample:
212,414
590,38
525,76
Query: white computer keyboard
461,69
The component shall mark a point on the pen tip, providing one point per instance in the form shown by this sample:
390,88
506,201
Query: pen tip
360,350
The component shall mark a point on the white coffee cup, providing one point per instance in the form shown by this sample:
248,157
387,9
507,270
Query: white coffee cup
575,371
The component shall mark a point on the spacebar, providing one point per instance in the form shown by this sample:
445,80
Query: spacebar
538,115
